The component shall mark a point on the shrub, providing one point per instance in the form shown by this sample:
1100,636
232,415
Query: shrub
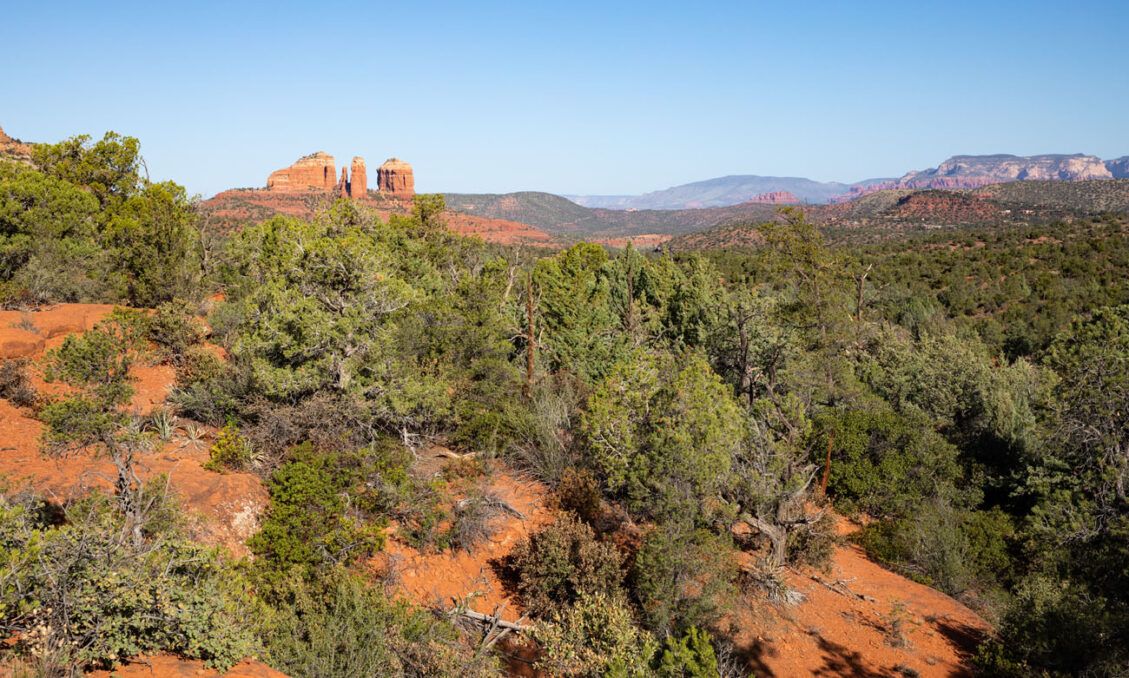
682,578
563,562
691,656
594,637
173,329
81,596
14,384
198,365
342,626
542,443
664,436
313,521
230,451
814,544
579,493
885,464
948,548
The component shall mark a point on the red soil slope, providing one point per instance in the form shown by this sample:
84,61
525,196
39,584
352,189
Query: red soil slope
859,619
228,505
434,578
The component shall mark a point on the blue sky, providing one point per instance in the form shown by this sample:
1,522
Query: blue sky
575,97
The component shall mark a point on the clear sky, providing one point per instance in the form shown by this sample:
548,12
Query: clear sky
570,97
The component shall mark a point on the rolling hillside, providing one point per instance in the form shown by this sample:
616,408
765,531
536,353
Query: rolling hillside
561,217
893,213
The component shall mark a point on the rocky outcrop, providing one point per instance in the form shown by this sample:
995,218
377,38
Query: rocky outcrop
1119,168
14,149
314,172
343,184
395,179
317,173
358,178
774,198
976,171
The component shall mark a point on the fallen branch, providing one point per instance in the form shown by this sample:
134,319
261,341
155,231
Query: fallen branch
492,621
840,587
444,452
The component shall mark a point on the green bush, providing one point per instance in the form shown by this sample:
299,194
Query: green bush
664,436
691,656
198,365
312,521
682,578
340,626
173,329
883,463
594,637
230,451
563,562
951,549
78,594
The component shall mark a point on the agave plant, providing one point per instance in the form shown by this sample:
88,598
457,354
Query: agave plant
163,423
193,436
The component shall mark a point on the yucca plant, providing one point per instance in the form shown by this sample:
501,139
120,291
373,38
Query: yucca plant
193,436
163,423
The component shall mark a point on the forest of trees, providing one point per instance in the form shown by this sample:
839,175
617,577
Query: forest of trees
972,388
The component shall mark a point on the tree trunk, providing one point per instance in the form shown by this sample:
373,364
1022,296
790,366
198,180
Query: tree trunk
530,338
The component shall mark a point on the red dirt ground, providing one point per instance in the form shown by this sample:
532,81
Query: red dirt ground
228,504
433,578
166,666
875,623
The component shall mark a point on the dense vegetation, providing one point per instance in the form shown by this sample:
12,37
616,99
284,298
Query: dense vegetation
972,398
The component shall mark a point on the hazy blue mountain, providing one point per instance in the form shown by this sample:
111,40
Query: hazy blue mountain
722,192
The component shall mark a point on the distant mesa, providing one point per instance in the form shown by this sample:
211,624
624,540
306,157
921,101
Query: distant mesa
317,173
1119,168
775,198
976,171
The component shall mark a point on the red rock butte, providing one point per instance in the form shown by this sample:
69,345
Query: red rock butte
317,173
395,178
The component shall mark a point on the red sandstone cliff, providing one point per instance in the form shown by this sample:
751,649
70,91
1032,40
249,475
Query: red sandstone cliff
395,179
358,178
314,172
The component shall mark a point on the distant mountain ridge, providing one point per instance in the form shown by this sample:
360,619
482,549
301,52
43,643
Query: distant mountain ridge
958,172
720,192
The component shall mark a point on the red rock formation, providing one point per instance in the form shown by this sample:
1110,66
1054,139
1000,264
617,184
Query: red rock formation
343,185
395,179
358,184
315,172
13,149
774,198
